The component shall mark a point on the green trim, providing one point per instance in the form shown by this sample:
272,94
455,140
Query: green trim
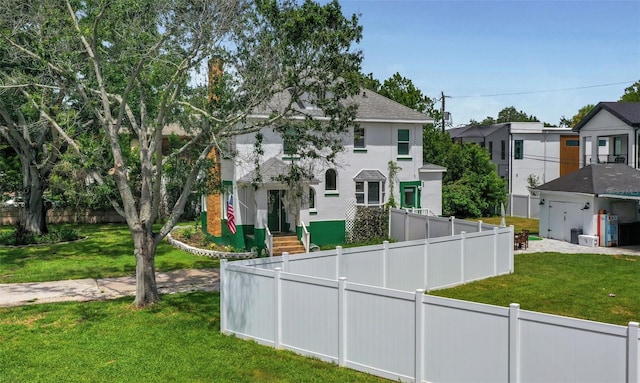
359,150
313,213
203,222
415,184
332,194
404,159
327,232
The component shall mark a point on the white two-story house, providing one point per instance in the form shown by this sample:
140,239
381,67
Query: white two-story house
524,150
386,131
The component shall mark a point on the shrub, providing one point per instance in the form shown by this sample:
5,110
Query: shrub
370,223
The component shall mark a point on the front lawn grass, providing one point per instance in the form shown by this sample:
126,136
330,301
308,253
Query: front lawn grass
176,340
574,285
106,252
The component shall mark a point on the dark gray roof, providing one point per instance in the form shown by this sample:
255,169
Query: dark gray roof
475,131
628,112
598,179
432,168
371,106
369,175
270,170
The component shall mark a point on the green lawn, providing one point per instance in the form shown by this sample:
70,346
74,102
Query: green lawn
107,252
574,285
177,340
531,224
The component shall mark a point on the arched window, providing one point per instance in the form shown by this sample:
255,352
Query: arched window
330,180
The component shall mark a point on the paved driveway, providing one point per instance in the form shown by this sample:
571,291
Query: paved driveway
553,245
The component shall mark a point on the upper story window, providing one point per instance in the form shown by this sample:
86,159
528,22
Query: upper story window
358,137
503,149
289,142
490,150
330,180
403,142
518,149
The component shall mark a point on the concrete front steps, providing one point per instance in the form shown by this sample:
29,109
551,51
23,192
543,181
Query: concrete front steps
287,243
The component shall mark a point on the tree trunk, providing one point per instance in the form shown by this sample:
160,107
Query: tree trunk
35,210
145,251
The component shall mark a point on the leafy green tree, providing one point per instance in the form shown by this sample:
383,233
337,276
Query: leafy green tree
508,114
582,112
471,185
130,66
403,91
631,93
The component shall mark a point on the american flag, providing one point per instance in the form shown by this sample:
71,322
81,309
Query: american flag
231,217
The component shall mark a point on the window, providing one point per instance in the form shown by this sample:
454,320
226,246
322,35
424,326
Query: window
503,149
330,180
312,199
374,194
572,143
617,146
289,142
409,197
403,142
490,150
518,149
602,142
358,137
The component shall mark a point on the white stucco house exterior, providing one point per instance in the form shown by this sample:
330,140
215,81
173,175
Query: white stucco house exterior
524,149
387,131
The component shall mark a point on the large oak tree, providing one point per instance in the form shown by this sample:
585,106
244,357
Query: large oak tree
132,66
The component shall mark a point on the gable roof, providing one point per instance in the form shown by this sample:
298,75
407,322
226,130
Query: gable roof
627,112
598,179
371,107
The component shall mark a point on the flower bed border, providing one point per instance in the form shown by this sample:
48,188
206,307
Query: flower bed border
207,253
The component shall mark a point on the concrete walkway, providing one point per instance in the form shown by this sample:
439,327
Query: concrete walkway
16,294
552,245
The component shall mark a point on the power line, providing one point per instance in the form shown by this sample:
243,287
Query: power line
545,91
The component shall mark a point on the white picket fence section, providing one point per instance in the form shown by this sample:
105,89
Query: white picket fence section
365,308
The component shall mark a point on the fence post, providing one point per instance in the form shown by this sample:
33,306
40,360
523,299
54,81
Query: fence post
528,205
428,227
453,230
512,229
338,261
406,225
223,296
514,343
285,261
632,352
462,240
385,253
495,251
419,343
426,264
278,309
511,205
480,226
342,322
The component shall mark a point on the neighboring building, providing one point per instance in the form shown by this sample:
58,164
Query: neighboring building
387,131
609,134
522,150
574,201
607,182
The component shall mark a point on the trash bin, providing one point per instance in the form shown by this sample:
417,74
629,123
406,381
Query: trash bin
575,234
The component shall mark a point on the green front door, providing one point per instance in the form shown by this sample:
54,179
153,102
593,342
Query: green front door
276,214
410,194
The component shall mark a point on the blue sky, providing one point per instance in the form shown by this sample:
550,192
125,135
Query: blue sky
481,52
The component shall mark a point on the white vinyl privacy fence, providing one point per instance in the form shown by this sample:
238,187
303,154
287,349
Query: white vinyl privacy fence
407,226
365,309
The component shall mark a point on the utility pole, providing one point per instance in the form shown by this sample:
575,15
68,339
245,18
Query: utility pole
442,97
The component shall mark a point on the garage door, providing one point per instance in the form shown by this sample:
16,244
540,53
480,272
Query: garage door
564,216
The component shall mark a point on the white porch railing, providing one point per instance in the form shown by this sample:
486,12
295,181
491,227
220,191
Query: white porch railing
268,240
423,211
306,237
